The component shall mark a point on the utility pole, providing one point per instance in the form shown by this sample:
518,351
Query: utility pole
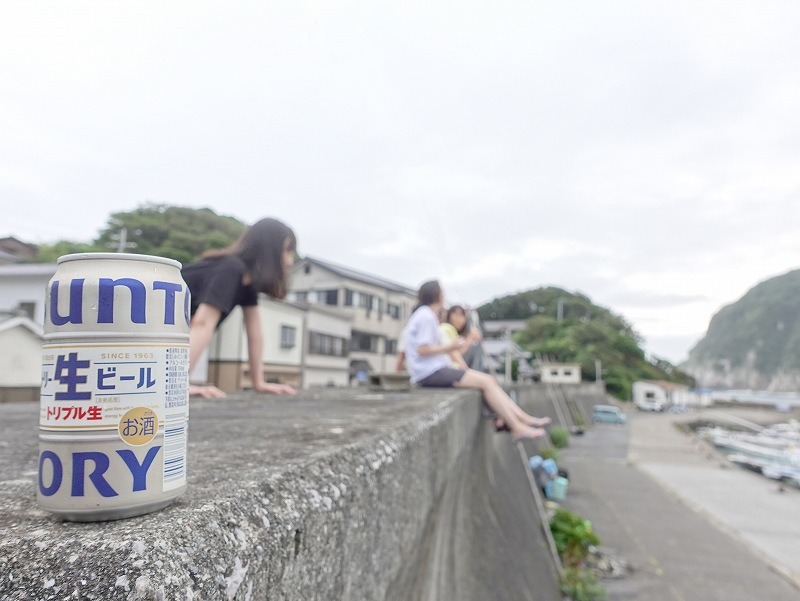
122,240
560,310
597,370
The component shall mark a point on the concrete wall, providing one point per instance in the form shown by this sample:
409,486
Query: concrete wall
327,495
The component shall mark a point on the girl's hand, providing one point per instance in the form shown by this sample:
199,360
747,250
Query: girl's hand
207,392
275,388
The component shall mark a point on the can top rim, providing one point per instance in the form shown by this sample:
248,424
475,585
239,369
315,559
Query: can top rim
118,257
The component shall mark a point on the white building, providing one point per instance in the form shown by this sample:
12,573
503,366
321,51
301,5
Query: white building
378,308
561,373
343,325
281,329
20,360
23,288
305,346
658,394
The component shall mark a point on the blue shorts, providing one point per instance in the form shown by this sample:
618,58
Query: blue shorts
443,378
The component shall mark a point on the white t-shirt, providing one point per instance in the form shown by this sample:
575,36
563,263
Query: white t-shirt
423,330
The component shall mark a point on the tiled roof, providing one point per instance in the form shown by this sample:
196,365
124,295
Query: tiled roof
358,276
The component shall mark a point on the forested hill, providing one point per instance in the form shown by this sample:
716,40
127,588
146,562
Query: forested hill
585,332
755,342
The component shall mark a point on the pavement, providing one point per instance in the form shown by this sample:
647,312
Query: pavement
691,525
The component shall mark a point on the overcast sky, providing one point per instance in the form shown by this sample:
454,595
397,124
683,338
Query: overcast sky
645,154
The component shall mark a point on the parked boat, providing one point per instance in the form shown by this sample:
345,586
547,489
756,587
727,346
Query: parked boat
773,452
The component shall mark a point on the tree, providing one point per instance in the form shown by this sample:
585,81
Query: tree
584,334
179,233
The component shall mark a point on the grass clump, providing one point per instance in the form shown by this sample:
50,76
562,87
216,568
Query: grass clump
573,536
559,437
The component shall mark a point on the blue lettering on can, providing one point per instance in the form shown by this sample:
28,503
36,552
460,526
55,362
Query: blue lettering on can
75,314
96,476
105,301
169,299
139,471
100,467
58,473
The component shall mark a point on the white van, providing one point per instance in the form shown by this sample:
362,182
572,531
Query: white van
649,396
650,404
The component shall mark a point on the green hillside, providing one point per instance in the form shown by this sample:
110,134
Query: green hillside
584,333
760,330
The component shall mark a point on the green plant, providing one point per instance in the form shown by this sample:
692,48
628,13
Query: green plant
549,453
573,536
559,437
581,585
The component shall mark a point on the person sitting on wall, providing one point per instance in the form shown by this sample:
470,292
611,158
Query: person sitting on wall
429,365
455,324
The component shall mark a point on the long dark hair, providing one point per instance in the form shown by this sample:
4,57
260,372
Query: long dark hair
429,293
458,309
261,248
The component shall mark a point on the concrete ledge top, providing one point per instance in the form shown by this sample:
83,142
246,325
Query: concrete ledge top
257,465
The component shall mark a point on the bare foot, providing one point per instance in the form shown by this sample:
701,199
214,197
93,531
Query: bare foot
536,422
529,433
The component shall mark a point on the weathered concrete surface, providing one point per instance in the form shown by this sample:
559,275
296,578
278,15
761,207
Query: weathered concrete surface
485,539
328,495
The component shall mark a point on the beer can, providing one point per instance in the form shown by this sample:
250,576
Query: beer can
114,402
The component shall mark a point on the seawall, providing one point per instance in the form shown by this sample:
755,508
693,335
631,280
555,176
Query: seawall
336,494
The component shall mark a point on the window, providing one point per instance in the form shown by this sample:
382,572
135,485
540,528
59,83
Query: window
288,336
361,341
393,310
348,297
391,346
650,395
323,344
299,296
328,297
567,372
554,372
27,309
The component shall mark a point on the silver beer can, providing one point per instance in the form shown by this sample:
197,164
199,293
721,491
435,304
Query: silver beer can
115,387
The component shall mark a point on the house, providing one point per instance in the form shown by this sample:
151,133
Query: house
501,353
340,325
228,366
16,251
658,394
561,373
326,338
23,288
501,328
305,346
20,359
377,307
